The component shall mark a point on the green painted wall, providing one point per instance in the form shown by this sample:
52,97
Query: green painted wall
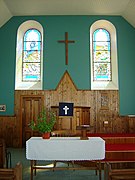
54,55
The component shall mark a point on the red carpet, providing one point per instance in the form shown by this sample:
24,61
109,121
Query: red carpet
120,147
111,134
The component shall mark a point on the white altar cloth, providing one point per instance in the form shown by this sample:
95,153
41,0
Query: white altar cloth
65,149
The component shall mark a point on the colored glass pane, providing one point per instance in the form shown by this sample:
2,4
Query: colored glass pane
101,35
102,71
32,46
32,35
101,46
31,71
101,55
31,77
31,55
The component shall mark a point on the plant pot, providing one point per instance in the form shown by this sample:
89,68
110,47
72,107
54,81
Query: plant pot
46,135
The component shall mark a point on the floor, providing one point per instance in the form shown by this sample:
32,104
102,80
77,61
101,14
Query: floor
19,155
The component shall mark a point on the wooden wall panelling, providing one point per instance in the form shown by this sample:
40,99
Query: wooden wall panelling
68,92
1,127
131,127
8,130
2,153
107,110
93,114
66,89
96,104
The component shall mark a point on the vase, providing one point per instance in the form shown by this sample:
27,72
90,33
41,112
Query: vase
46,135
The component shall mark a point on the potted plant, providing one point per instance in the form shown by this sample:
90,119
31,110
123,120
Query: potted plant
44,123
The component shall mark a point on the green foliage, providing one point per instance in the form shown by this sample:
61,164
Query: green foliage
44,122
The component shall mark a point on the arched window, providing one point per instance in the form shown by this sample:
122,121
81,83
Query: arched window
103,45
101,55
29,56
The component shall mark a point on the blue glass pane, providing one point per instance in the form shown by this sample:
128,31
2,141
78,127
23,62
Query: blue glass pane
102,72
101,35
31,77
33,45
32,35
31,56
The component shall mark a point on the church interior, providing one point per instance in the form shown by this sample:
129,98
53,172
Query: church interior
69,62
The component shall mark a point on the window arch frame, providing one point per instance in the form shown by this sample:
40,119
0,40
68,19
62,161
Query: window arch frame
19,83
95,50
24,50
105,85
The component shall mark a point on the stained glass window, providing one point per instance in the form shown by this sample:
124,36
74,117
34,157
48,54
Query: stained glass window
101,55
31,67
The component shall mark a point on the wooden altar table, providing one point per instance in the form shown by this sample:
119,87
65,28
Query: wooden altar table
64,149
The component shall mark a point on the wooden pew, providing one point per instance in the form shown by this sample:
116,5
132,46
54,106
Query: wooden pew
5,155
121,174
2,153
11,173
119,148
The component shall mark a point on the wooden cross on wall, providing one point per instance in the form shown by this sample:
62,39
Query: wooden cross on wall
66,41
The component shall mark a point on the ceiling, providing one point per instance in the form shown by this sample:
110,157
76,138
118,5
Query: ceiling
10,8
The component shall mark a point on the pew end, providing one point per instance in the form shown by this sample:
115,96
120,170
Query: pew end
11,173
121,174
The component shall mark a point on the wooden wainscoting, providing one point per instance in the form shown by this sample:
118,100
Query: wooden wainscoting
9,130
104,107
